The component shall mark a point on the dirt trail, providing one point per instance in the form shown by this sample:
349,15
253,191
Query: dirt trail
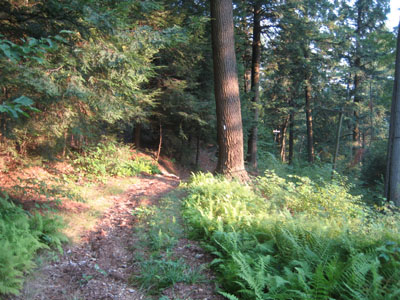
100,267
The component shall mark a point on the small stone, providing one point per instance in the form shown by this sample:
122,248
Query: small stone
73,264
131,290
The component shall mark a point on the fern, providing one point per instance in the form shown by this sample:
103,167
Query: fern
254,278
265,252
229,296
21,235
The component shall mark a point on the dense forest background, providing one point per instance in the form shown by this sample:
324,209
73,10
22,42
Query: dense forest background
129,69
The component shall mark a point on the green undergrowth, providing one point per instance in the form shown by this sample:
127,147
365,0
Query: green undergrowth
294,237
52,191
159,229
22,234
111,159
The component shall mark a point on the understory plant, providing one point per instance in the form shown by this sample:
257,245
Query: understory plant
112,159
21,235
294,238
159,229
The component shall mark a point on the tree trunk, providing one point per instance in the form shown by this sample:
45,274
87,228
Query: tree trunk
339,129
357,99
357,81
226,89
197,152
255,86
392,180
137,135
159,144
291,137
309,121
283,139
371,111
247,81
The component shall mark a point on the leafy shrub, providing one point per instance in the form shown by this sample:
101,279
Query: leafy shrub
112,159
21,235
294,238
301,194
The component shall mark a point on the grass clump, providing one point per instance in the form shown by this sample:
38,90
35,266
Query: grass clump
294,238
163,272
21,236
159,230
159,227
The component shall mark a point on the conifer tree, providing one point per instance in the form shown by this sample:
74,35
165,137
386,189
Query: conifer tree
392,183
226,89
255,84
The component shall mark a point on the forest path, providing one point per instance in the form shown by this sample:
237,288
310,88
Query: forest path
99,267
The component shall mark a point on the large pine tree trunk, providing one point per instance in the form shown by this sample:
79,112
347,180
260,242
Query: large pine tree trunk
255,86
226,89
392,183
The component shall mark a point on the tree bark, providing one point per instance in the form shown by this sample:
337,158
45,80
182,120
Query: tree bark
291,137
309,121
137,135
255,86
283,138
159,144
226,89
197,152
371,111
247,80
339,129
357,80
392,180
357,99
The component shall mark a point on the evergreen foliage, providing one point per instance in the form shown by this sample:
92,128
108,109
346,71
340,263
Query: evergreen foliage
100,74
